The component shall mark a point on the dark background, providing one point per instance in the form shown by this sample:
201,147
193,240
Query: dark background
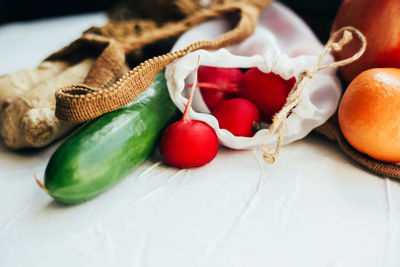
319,14
14,10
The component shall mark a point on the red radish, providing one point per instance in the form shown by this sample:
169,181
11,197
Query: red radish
218,84
237,115
188,143
268,91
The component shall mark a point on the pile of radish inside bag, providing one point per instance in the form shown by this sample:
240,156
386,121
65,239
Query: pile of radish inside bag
281,44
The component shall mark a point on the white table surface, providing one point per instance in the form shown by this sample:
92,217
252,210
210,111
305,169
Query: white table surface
313,207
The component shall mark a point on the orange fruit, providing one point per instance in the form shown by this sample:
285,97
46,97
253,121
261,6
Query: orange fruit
369,113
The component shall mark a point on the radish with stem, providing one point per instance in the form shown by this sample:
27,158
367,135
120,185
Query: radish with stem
218,84
189,143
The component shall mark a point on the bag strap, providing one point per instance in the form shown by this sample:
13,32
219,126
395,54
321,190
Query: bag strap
79,103
332,131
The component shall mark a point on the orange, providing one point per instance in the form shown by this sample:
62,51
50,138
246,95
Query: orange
369,113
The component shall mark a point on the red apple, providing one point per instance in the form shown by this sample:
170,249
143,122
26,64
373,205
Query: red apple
379,21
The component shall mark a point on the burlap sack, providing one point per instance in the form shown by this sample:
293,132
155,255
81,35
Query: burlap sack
79,103
143,23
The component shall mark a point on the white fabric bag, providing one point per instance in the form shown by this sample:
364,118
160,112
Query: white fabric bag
283,44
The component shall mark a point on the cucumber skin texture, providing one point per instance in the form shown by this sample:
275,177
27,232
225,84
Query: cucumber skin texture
104,150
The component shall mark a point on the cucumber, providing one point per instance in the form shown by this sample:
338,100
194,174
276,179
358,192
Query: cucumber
104,150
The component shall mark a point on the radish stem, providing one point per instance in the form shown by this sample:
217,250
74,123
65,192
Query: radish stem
189,143
229,88
186,113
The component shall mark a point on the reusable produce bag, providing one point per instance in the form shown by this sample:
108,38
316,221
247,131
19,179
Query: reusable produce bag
283,44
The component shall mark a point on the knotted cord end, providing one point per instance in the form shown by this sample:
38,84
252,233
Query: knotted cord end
269,157
347,37
279,120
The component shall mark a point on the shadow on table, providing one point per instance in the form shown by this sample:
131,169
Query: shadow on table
7,154
54,205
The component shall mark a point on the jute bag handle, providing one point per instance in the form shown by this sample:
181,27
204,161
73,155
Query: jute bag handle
79,103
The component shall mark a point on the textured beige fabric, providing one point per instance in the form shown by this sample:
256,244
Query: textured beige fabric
78,103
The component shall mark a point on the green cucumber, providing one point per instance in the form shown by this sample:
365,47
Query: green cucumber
104,150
